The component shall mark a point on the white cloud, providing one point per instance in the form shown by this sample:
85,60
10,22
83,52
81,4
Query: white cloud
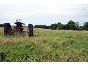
43,11
43,2
36,10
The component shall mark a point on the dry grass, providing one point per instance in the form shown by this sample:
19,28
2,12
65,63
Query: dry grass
46,45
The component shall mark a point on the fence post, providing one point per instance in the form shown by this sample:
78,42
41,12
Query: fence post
19,28
30,30
7,29
2,56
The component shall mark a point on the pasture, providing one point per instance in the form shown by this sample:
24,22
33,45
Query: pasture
46,46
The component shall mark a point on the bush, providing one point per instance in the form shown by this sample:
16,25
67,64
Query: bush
53,26
41,26
85,26
1,25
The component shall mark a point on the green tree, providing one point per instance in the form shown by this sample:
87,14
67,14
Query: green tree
59,26
85,26
53,26
71,25
41,26
1,25
77,26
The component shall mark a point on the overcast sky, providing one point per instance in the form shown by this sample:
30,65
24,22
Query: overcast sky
42,11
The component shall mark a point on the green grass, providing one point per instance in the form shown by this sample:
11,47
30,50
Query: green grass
46,46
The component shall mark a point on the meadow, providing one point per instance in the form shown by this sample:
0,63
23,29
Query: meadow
45,46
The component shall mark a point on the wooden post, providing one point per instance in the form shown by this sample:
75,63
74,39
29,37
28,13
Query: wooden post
7,29
19,28
30,30
2,56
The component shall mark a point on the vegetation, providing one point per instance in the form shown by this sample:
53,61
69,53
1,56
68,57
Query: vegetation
42,26
53,26
1,25
71,25
86,25
46,45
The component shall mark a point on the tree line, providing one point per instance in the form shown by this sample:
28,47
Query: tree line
71,25
1,25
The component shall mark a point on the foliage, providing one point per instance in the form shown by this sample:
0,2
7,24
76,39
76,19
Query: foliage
85,25
53,26
1,25
41,26
71,25
59,26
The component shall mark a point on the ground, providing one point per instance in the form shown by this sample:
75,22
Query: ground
46,45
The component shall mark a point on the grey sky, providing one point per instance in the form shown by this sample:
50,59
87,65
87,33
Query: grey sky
45,13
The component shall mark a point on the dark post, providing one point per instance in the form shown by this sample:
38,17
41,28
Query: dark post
2,56
19,28
30,30
7,29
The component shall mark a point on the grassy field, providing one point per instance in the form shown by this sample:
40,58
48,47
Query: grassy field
46,46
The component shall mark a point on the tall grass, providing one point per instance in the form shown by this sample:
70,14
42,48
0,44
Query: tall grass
46,45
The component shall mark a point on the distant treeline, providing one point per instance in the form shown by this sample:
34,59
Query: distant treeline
71,25
1,25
